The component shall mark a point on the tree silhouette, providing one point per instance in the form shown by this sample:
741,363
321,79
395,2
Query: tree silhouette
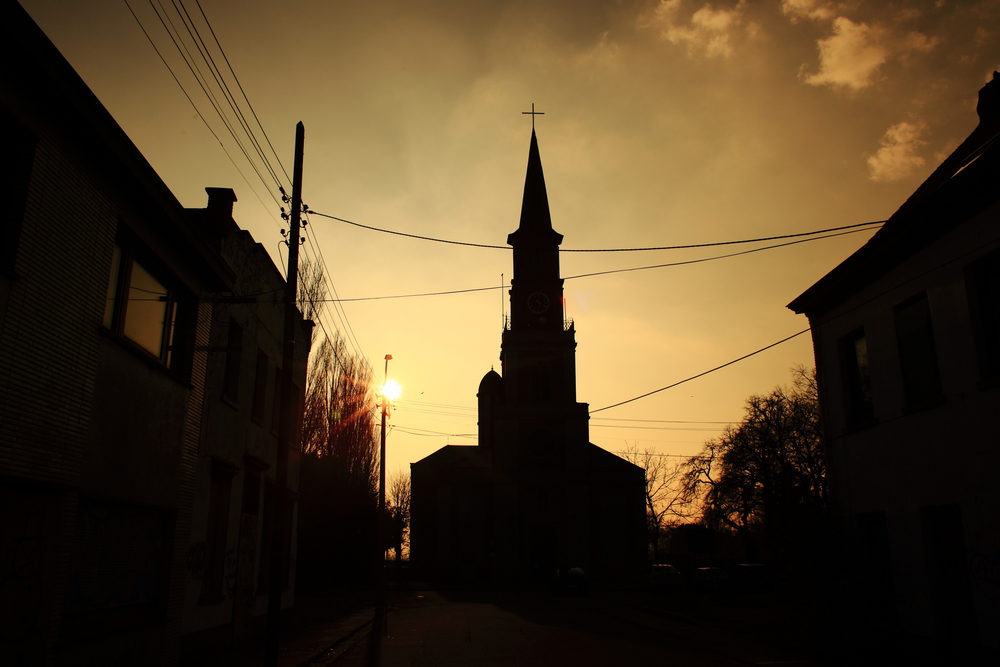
666,502
339,471
398,511
768,472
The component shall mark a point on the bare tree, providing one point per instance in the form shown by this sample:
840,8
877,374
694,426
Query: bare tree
768,471
666,502
311,295
339,418
398,509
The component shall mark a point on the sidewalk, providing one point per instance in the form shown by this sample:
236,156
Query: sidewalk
314,631
323,626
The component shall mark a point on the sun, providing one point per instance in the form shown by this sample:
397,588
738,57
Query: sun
391,390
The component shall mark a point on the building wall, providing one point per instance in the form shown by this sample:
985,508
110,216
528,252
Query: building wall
237,444
97,436
921,478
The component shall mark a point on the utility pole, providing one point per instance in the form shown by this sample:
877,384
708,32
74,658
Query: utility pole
287,436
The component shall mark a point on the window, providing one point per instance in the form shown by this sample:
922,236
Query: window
855,378
917,356
142,309
234,352
119,567
982,280
19,153
258,411
276,402
218,531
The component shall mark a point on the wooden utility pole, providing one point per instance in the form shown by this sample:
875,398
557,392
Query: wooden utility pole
287,436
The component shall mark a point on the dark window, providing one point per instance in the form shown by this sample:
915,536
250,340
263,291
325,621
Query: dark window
856,378
141,308
270,525
218,530
946,558
234,354
18,156
266,535
917,356
259,412
276,402
118,568
983,283
251,492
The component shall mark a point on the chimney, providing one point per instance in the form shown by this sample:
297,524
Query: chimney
218,215
220,203
988,107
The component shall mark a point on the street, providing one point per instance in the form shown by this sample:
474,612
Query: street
432,628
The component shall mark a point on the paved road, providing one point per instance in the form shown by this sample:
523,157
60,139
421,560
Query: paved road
427,628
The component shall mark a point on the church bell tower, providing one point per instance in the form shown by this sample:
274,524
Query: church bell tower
539,347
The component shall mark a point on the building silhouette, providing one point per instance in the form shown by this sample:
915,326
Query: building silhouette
906,333
534,498
136,442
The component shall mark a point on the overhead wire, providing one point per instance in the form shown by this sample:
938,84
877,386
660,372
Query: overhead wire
702,374
220,81
193,105
597,250
609,271
229,99
208,96
243,92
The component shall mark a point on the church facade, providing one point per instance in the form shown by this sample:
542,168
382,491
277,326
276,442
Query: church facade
534,498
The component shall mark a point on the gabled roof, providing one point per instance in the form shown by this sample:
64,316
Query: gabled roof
536,223
962,186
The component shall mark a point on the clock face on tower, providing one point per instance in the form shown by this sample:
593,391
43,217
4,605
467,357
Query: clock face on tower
538,302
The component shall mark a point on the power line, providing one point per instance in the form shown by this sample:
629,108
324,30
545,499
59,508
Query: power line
193,105
639,249
220,81
237,80
609,271
703,373
659,428
661,421
204,90
412,430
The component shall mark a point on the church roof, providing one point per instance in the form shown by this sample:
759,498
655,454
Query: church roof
536,223
491,383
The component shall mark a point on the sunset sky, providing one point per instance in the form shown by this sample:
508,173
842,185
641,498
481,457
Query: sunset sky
670,122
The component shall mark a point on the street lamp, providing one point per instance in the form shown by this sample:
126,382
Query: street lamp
390,392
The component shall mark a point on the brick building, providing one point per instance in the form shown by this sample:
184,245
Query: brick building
113,443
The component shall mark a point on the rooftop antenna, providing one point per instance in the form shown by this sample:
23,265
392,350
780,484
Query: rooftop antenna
503,309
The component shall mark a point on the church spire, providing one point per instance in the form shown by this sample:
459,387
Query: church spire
536,223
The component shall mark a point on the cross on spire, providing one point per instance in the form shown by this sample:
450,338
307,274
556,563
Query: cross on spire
532,113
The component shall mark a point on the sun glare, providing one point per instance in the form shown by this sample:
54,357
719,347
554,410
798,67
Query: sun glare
391,390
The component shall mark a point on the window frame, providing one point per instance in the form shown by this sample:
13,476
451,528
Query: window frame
911,364
176,329
855,380
980,280
258,408
232,369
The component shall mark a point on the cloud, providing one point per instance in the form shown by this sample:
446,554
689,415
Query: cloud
899,152
809,9
850,56
708,30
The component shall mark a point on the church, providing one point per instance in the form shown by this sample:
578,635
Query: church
534,498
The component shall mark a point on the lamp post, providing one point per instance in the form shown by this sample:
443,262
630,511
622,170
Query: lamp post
390,391
381,453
